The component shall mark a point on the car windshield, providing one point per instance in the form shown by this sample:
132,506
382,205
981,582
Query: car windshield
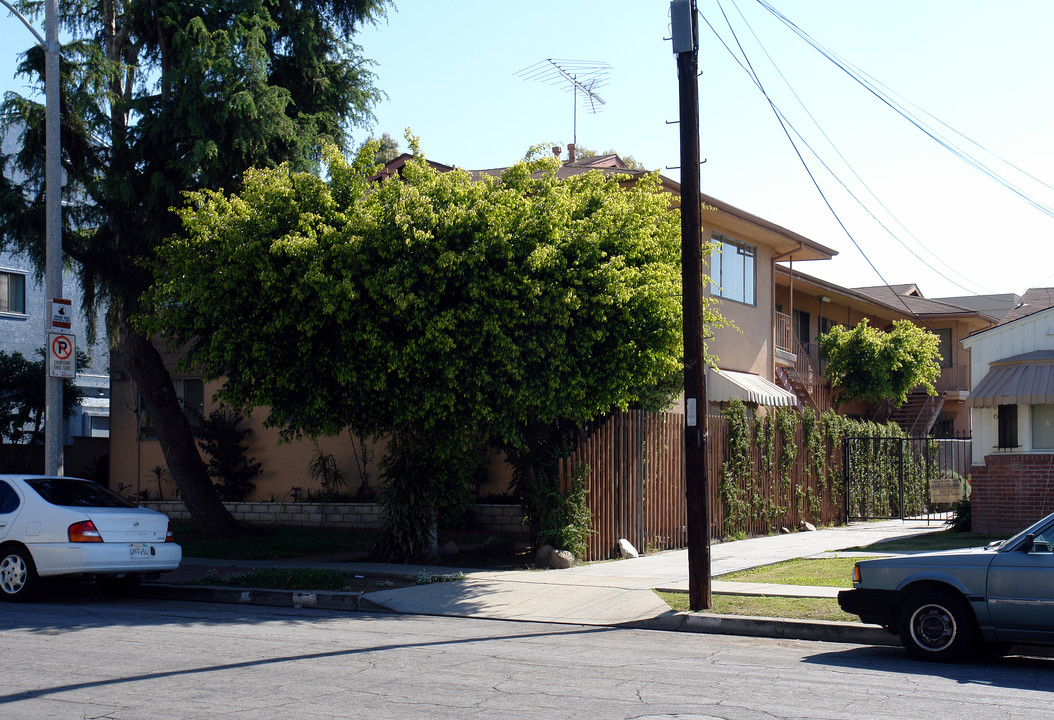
70,492
1030,529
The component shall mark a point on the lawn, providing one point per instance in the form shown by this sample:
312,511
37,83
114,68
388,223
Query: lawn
825,572
272,542
765,606
829,572
942,540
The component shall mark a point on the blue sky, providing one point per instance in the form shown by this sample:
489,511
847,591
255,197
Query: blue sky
981,66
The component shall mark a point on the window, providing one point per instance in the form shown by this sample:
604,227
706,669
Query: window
9,500
945,335
12,292
95,426
1043,427
732,270
801,327
191,394
70,492
1007,415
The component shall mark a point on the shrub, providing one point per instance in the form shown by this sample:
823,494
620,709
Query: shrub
962,520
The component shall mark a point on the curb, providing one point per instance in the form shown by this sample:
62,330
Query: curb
825,631
784,629
321,599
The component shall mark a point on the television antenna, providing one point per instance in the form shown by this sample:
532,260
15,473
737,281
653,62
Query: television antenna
582,78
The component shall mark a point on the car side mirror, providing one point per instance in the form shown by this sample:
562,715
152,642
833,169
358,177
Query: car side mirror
1030,541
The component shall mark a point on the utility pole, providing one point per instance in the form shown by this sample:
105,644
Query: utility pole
683,16
52,226
53,233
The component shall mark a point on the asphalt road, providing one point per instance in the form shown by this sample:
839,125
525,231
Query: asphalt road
88,656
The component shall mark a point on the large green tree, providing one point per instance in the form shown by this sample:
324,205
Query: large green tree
436,308
22,384
158,98
866,363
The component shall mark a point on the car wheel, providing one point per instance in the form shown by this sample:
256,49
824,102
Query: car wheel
18,575
936,626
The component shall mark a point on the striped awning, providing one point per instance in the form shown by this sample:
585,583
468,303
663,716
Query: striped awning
724,385
1020,380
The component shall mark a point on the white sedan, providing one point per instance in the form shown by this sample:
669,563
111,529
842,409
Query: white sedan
52,526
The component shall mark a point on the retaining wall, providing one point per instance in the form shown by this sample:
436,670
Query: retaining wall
497,519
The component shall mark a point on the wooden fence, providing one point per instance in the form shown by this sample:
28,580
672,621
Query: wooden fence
636,486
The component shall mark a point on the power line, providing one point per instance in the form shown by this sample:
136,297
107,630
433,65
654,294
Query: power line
784,124
872,86
787,123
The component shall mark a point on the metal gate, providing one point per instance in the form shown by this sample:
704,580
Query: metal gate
904,477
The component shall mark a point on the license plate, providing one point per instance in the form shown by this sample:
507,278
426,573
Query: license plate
138,551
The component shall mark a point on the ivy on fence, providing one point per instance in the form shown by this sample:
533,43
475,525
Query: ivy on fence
784,466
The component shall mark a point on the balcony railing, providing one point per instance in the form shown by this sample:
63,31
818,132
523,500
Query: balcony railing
956,377
804,371
784,336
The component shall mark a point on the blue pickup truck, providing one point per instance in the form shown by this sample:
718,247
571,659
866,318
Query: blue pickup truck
942,604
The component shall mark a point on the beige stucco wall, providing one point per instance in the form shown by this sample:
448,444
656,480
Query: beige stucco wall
746,345
285,464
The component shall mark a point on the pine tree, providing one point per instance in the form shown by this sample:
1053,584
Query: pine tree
160,98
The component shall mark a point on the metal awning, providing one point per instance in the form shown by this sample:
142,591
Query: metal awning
724,385
1019,380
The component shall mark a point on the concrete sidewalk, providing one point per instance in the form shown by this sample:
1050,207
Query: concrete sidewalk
614,593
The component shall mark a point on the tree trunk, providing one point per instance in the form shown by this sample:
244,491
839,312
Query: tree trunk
174,433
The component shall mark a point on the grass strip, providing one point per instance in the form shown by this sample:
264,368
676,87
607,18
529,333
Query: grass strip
279,579
765,606
272,542
822,572
940,540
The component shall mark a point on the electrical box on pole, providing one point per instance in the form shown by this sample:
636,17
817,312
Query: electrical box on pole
683,15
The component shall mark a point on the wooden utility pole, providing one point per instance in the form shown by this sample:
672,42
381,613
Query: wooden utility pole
683,17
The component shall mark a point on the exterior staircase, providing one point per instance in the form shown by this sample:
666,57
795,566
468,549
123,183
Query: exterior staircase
917,415
795,371
790,379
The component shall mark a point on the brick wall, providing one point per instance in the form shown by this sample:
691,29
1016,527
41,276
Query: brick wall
1011,491
497,519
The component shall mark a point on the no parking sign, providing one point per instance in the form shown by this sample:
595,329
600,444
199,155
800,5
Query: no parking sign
62,355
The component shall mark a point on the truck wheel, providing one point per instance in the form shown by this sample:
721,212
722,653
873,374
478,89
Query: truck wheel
18,575
936,626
